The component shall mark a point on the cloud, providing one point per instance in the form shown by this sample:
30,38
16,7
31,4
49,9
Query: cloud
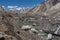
18,8
15,9
12,6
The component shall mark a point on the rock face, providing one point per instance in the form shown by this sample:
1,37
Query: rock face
43,6
38,9
52,2
52,22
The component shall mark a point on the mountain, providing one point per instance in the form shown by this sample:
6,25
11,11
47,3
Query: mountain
19,9
31,23
42,7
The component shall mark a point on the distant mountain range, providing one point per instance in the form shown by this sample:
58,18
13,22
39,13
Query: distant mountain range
15,9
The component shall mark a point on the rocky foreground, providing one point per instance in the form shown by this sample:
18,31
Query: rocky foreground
35,24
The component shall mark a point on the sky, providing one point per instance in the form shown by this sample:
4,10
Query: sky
20,3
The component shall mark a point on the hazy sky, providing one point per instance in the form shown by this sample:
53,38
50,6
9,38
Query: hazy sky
21,3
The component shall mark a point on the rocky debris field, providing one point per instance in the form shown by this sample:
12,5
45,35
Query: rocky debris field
40,23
